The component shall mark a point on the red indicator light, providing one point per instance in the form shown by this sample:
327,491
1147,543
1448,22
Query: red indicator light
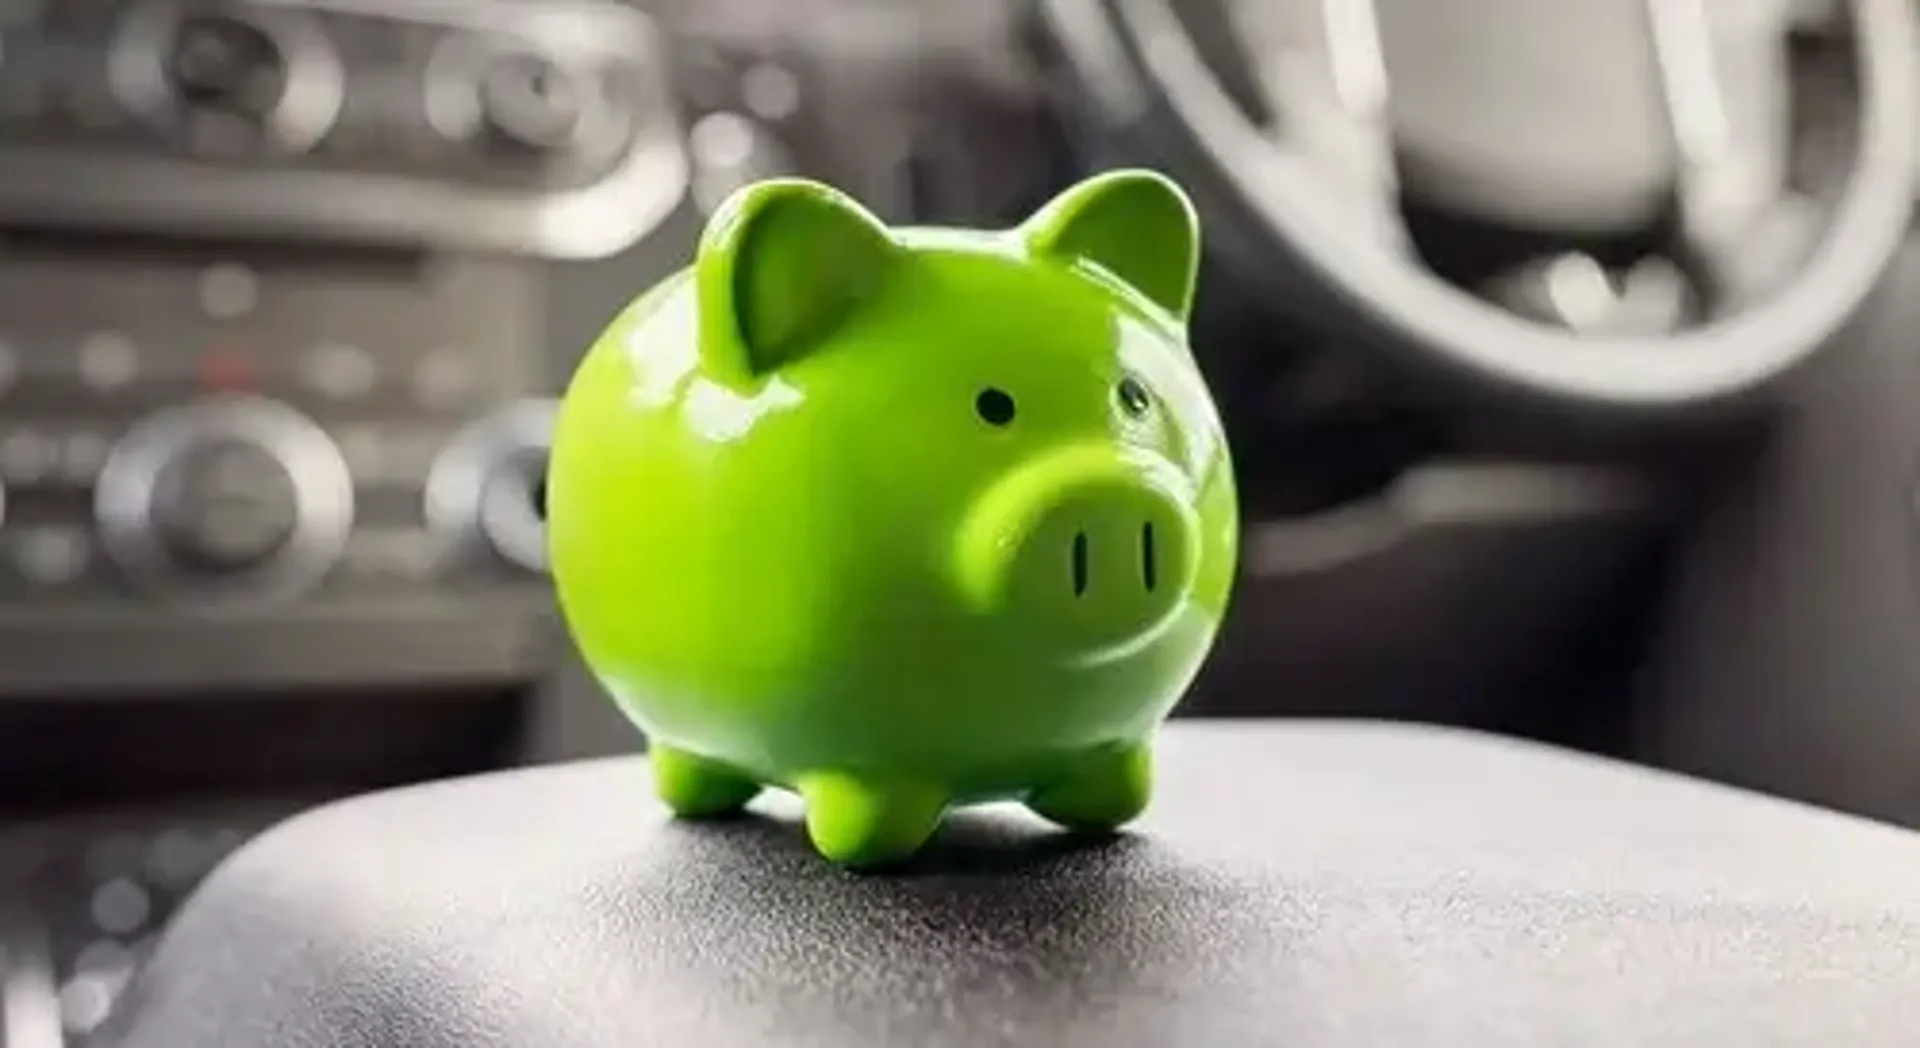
224,371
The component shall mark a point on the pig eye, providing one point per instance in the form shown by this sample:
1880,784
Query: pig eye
994,406
1132,396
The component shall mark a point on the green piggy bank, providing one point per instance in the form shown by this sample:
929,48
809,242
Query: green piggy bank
901,519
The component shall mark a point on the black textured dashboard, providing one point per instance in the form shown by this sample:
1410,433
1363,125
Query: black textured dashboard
1327,885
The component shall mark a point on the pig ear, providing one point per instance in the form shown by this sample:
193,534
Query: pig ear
781,265
1136,225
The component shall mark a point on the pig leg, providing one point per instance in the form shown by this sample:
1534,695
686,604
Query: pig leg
1106,789
694,787
861,822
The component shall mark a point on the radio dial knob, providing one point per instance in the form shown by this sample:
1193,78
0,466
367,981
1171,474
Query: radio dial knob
486,495
227,64
225,505
525,103
235,499
224,76
531,102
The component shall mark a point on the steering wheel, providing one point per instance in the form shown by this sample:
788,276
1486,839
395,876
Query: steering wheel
1315,199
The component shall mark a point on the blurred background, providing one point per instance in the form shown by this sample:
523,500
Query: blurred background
1565,347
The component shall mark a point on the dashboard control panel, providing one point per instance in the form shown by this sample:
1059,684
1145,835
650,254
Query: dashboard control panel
273,338
342,457
544,129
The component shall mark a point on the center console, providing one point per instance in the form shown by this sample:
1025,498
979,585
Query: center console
273,350
329,469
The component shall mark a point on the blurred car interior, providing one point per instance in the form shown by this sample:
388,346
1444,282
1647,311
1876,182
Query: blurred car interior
1563,347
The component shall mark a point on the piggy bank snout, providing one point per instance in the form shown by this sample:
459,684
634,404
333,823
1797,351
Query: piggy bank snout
1086,547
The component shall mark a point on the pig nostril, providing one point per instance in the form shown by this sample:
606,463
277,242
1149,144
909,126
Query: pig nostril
1079,563
1148,567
